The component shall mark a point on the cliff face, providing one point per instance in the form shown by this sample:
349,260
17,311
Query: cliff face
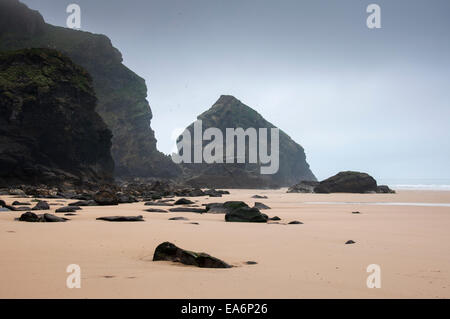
121,93
49,130
229,112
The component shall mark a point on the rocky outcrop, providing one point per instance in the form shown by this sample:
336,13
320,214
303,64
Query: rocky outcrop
169,252
49,129
303,187
121,93
343,182
229,112
347,182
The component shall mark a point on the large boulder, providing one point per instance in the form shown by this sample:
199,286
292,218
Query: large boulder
347,182
246,214
169,252
105,198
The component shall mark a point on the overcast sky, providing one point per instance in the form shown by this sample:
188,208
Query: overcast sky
355,98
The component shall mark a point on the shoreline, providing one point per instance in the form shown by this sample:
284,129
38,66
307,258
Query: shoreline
410,244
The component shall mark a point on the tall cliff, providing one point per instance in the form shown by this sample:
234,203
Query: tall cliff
229,112
49,130
121,93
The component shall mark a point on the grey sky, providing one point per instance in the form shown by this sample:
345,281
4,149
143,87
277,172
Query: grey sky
354,98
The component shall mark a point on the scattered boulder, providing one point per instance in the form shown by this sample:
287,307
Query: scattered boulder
17,203
41,205
246,214
251,262
183,201
70,214
67,209
155,210
169,252
275,218
2,203
356,213
295,222
347,182
349,242
17,192
34,218
384,189
188,210
215,208
230,205
122,218
303,187
90,202
259,196
178,218
30,217
158,204
213,193
125,198
259,205
49,218
106,198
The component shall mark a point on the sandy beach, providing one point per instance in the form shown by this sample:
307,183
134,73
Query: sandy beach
410,242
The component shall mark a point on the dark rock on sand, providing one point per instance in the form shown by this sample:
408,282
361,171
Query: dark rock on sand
246,214
126,198
155,210
169,252
17,203
251,262
84,203
349,242
2,203
215,208
259,196
33,218
384,189
49,218
122,218
261,206
106,198
67,209
41,205
178,218
188,210
230,205
183,201
347,182
295,222
303,187
158,204
30,217
275,218
356,213
17,192
70,214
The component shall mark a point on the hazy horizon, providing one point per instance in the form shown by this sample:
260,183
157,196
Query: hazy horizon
354,98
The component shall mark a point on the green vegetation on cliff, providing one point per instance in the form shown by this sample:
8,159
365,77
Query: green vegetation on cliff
121,93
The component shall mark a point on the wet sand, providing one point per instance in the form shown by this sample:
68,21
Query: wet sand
410,243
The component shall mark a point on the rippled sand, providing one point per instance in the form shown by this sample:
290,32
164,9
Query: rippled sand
410,243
